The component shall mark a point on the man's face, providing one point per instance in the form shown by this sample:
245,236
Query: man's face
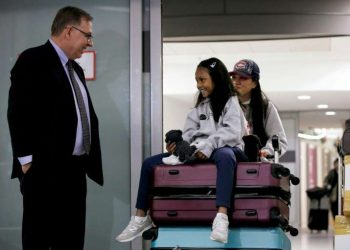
80,38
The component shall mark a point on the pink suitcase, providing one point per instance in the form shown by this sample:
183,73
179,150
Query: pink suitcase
258,177
204,174
249,210
185,194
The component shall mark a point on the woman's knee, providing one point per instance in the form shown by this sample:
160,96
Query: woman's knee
224,154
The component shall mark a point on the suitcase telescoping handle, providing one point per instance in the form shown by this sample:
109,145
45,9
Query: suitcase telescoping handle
276,147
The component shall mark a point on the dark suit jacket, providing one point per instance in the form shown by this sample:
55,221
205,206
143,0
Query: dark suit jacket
42,115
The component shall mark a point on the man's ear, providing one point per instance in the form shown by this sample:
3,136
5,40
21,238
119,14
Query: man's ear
67,32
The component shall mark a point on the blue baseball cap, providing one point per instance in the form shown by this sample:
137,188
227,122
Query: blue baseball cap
246,68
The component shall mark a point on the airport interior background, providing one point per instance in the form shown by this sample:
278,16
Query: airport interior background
143,85
301,73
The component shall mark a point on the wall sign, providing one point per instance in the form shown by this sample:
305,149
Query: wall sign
88,62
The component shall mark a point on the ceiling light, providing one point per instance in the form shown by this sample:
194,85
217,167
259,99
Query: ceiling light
311,137
313,134
322,106
330,113
304,97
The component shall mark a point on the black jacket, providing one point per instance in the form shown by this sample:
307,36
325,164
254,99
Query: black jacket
42,115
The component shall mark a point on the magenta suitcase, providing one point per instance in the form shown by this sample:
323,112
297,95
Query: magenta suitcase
258,177
204,174
248,210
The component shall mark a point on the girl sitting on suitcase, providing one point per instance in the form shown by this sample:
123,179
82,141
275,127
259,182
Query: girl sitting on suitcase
215,126
261,114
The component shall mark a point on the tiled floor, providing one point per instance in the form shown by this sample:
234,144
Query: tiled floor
307,240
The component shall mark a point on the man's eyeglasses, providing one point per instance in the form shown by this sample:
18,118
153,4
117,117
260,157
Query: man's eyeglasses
88,36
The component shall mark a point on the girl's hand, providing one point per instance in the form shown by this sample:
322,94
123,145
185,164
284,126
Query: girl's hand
170,147
201,156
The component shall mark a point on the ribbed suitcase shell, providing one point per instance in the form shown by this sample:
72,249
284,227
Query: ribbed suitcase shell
248,175
249,210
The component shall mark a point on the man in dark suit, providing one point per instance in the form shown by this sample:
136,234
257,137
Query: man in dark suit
54,135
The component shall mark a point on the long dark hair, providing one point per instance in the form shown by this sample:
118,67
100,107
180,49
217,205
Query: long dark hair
258,105
223,89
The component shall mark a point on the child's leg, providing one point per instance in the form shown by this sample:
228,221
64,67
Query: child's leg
225,161
140,222
142,202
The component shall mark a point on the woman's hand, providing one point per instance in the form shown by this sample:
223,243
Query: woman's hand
201,156
171,147
264,153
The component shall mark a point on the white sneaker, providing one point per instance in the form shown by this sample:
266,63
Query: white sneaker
172,160
220,228
135,228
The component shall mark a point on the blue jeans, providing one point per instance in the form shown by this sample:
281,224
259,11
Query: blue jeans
226,160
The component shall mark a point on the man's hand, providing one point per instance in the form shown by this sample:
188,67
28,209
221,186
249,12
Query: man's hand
26,167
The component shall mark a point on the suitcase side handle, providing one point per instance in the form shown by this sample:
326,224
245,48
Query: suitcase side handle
172,213
251,213
251,171
173,171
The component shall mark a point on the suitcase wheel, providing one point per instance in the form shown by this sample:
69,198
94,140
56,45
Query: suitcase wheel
292,230
150,234
294,180
279,171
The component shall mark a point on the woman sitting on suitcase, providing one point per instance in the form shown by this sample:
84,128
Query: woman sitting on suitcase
215,126
261,114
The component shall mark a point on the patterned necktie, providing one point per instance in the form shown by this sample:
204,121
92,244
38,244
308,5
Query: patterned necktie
82,110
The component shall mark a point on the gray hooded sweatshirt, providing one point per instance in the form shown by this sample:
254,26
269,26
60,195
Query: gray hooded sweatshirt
201,129
273,126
